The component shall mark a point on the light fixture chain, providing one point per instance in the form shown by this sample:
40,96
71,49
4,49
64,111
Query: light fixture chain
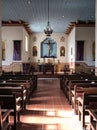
48,31
48,10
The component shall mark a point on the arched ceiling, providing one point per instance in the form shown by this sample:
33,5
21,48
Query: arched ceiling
61,12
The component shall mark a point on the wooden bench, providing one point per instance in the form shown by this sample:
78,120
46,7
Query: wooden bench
88,101
12,103
64,77
4,119
78,92
67,78
71,84
25,86
30,78
20,92
67,82
93,119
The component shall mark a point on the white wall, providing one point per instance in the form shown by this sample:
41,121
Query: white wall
8,35
71,45
25,55
81,33
86,34
57,37
18,33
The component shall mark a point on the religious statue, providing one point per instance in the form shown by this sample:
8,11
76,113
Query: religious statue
50,48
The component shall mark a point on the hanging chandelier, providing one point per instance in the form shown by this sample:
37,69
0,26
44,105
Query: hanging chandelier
48,30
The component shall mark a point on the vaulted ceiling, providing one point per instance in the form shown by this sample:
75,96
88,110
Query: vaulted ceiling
61,12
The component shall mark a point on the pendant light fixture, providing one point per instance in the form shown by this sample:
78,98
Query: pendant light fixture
48,30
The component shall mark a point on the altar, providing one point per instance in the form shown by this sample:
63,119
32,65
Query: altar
46,68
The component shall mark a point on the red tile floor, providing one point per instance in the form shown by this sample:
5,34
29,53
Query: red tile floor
49,109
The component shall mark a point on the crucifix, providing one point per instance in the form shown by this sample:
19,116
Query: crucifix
49,48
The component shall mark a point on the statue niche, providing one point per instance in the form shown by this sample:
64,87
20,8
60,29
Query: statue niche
34,51
62,51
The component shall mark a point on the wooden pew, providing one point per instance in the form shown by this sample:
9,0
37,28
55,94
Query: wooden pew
79,89
20,92
71,84
27,83
20,76
68,79
30,78
93,119
4,119
12,103
81,76
25,86
64,77
88,101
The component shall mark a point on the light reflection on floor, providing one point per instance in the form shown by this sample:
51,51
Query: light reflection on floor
49,111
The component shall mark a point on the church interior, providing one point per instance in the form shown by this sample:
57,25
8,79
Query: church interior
48,64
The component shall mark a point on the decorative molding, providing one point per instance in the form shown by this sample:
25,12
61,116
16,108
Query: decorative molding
34,39
62,39
18,23
79,23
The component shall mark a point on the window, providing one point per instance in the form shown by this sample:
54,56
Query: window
26,43
16,50
93,50
3,50
80,50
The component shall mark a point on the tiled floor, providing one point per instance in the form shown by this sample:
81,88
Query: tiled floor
49,109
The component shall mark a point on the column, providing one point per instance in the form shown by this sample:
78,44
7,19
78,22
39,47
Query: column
96,38
0,43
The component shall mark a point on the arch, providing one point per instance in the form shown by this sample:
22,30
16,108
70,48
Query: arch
48,48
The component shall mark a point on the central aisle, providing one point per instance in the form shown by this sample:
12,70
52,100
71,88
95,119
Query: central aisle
49,109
